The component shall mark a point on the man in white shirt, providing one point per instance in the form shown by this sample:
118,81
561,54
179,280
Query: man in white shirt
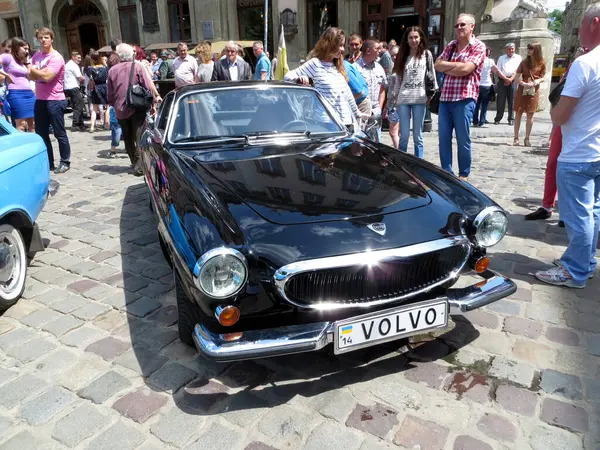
185,67
376,79
578,171
72,88
506,70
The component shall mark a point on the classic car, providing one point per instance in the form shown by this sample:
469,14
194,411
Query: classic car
24,188
287,232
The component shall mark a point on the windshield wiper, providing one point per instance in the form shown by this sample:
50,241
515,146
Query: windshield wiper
206,138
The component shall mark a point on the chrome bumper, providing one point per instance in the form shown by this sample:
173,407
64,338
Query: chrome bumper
314,336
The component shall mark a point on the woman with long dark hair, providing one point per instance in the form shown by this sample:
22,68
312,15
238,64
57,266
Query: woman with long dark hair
20,95
413,86
531,73
326,68
98,74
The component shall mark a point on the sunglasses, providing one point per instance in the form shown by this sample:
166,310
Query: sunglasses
461,25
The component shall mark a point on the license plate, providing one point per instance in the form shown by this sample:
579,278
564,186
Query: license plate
376,328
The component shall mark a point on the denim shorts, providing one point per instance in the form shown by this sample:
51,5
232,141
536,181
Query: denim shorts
393,115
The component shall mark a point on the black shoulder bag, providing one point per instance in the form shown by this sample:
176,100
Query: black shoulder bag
555,93
138,96
434,104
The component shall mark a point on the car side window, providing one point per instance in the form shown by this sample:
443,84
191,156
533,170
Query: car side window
165,111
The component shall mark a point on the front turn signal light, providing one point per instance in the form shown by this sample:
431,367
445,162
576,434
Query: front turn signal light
227,315
482,264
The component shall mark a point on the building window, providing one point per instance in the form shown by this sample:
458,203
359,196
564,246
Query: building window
270,166
344,203
321,15
251,22
313,199
14,27
310,173
281,194
179,21
128,21
355,184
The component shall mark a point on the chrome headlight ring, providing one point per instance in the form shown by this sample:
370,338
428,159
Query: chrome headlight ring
208,258
490,226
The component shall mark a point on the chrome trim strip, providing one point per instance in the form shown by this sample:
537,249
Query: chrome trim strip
479,219
219,251
314,336
283,274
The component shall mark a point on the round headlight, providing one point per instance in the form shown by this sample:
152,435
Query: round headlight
221,273
490,227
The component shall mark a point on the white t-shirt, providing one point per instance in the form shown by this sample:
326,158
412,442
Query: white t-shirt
412,90
185,70
581,134
72,74
508,66
486,72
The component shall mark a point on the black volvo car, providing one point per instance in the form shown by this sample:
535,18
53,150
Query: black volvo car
287,232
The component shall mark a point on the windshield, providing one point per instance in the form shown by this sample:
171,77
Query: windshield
241,112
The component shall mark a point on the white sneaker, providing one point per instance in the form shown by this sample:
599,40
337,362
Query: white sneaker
557,263
558,276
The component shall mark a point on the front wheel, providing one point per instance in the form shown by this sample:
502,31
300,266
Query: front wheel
188,313
13,266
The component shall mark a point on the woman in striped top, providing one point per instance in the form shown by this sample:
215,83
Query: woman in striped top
326,69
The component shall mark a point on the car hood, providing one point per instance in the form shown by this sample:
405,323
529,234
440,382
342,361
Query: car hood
315,181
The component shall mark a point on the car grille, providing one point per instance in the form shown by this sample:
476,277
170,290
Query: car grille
385,280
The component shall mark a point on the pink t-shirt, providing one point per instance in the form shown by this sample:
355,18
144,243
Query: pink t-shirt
17,72
53,89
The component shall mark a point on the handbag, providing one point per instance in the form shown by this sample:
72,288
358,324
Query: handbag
555,93
529,90
434,103
138,96
493,93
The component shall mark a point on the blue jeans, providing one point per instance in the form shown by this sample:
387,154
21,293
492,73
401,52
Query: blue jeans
418,115
456,116
52,113
579,199
115,134
482,103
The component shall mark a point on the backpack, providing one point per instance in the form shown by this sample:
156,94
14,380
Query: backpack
356,82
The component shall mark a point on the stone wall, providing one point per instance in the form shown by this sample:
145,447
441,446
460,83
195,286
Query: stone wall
571,23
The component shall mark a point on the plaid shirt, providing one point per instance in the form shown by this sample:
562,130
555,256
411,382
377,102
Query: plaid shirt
460,88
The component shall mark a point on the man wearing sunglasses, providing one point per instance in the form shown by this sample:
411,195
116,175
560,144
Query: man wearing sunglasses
461,62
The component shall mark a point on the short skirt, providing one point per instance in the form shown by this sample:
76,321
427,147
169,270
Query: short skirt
100,95
22,103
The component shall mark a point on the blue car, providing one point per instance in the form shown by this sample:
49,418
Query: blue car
24,189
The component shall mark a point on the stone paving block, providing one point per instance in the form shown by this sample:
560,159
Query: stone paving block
120,299
153,290
41,409
21,309
69,304
576,361
143,307
451,414
166,315
582,322
465,442
177,428
40,317
498,427
100,272
79,425
505,307
394,391
492,342
259,446
523,327
516,372
331,436
592,389
82,286
243,408
568,386
111,320
419,433
286,425
21,441
119,436
217,437
48,275
103,255
141,361
90,311
562,336
83,336
517,400
81,374
108,348
140,405
593,345
62,325
104,387
5,426
377,419
432,375
552,438
31,350
244,374
538,354
17,390
564,415
56,362
201,395
333,404
547,312
7,375
483,319
157,338
5,327
171,377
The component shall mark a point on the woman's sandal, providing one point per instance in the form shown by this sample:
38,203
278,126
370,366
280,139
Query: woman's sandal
526,143
516,142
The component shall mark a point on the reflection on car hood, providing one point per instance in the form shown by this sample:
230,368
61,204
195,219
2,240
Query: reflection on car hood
310,181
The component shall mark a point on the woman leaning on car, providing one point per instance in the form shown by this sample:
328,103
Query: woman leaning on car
20,95
326,69
413,84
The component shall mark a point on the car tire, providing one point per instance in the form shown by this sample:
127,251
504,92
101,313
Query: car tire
12,282
188,314
165,250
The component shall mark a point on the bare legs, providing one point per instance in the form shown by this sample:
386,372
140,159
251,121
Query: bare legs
25,124
395,133
528,128
518,116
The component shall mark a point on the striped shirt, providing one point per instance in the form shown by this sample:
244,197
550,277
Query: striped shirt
331,85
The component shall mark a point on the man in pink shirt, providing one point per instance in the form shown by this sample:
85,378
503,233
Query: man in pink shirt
47,69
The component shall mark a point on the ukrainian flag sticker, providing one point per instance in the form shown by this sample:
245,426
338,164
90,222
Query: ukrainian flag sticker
347,329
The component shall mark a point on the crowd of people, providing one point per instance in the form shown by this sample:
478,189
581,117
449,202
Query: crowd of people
373,81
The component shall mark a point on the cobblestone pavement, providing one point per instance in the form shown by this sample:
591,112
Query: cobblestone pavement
90,358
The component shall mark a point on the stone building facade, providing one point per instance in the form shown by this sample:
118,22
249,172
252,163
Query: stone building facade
574,12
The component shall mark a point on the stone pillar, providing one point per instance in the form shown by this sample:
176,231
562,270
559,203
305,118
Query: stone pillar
522,32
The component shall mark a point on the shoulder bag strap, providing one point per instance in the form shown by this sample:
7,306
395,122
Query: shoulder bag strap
131,73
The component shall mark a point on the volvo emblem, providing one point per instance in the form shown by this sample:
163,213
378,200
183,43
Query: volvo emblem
377,227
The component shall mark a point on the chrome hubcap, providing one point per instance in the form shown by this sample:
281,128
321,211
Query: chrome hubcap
9,263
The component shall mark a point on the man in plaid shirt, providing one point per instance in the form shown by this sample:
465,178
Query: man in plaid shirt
461,62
